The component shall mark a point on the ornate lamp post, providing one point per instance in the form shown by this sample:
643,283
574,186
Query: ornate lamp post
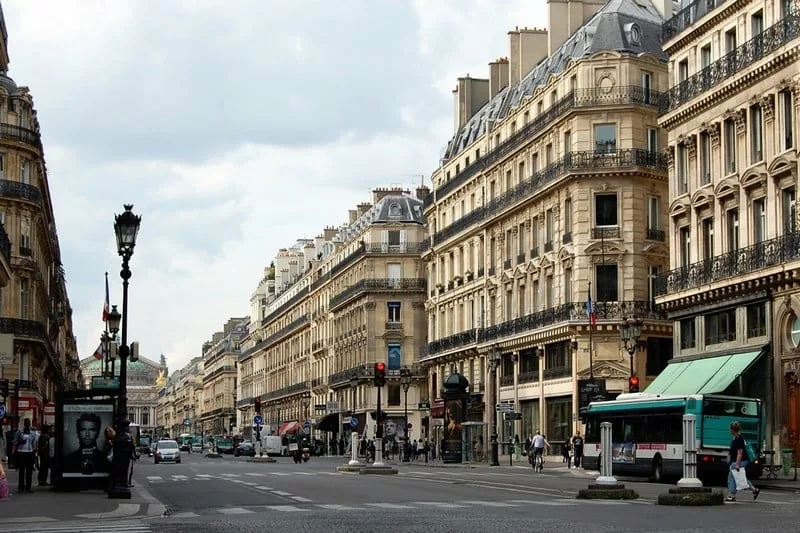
494,361
631,330
126,226
405,382
306,401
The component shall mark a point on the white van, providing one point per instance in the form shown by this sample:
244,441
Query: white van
272,445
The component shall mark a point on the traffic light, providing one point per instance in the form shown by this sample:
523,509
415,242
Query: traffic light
258,406
380,374
4,421
4,388
633,384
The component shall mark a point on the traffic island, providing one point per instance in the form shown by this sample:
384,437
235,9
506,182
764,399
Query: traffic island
213,455
261,460
691,496
378,470
350,468
607,492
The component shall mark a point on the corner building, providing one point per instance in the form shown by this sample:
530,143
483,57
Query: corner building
327,310
731,121
553,180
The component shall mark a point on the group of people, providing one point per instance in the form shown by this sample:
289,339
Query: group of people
535,445
31,450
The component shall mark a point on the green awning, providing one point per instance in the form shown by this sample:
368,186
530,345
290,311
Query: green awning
707,375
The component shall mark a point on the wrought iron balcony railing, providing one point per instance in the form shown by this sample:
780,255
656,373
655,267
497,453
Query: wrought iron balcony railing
22,191
10,132
378,284
31,328
296,388
345,376
622,95
688,16
656,235
739,262
760,46
572,162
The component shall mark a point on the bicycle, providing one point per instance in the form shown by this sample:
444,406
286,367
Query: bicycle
538,462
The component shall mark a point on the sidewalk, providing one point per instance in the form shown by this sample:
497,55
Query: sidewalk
551,460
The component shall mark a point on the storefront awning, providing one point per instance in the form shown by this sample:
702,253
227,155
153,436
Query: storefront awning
704,375
287,428
329,422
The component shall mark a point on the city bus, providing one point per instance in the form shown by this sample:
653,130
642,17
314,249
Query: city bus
647,433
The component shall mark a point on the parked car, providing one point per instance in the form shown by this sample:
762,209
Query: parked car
244,448
167,450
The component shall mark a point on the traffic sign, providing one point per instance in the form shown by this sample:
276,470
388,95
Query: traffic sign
513,416
258,420
504,407
187,421
353,422
2,410
307,424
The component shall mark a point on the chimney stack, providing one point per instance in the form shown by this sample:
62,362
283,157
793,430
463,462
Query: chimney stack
379,193
526,48
469,96
352,215
363,208
498,76
566,16
328,233
422,193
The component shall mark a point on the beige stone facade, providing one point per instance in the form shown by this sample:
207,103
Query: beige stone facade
179,401
36,335
327,310
218,410
731,121
556,183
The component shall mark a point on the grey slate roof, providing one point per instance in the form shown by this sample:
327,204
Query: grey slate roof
394,207
607,30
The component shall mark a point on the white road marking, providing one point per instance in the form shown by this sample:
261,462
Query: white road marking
280,474
234,510
337,507
286,508
231,475
444,505
305,474
389,505
262,487
249,483
255,474
491,504
300,499
154,478
185,514
281,493
122,510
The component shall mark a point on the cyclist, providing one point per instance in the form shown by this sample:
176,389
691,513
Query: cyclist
538,444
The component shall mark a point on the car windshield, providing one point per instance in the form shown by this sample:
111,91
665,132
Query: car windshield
170,444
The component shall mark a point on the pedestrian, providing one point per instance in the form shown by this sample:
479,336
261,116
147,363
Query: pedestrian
565,453
577,450
738,463
24,450
4,492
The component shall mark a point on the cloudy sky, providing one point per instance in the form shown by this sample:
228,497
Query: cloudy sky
234,127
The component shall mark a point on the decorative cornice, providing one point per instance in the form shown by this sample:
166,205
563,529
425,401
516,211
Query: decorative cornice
767,103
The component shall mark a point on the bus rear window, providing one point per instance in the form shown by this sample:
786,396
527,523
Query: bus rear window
734,408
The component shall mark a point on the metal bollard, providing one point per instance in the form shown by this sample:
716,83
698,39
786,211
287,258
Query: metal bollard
606,477
354,450
689,478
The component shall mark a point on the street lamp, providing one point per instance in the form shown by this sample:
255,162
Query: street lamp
631,330
126,227
405,382
494,361
305,400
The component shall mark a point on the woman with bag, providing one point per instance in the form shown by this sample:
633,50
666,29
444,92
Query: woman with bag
737,477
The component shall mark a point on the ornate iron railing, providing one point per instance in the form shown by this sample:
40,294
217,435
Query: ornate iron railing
688,16
245,402
32,328
10,132
345,376
378,284
762,45
622,95
23,191
571,162
574,311
743,261
287,391
5,244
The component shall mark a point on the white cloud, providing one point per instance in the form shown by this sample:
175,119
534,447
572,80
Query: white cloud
234,128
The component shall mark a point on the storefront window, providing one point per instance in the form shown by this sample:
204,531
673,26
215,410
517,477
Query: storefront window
559,419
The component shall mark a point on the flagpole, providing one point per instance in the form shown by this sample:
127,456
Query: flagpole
591,344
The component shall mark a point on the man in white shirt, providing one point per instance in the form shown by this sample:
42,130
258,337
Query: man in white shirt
24,448
538,444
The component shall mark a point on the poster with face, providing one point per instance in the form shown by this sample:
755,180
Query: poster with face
393,430
83,439
454,415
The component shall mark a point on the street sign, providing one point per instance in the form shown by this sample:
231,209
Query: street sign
2,410
307,424
424,406
353,422
513,416
258,420
504,407
187,421
100,382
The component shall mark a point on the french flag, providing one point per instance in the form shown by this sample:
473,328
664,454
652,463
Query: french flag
98,353
590,311
106,308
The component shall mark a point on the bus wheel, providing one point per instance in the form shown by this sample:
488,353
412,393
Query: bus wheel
658,470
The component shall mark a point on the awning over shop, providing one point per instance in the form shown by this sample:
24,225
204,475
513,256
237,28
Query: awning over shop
329,422
287,428
703,375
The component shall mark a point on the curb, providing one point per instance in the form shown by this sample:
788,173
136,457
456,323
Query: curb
779,488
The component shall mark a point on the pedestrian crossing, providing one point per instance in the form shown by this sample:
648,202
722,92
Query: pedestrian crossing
93,526
249,479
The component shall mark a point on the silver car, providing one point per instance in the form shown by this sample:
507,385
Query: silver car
167,450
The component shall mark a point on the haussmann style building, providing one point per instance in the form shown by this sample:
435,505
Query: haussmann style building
730,116
218,410
552,189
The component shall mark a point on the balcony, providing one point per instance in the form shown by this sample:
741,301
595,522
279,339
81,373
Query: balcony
394,326
605,233
656,235
345,376
296,388
21,191
760,46
5,245
31,328
622,95
520,258
378,284
585,161
688,16
10,132
773,252
571,312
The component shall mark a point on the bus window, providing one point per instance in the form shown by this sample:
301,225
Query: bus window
729,407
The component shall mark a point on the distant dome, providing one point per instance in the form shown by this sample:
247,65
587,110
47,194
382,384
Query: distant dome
133,367
7,83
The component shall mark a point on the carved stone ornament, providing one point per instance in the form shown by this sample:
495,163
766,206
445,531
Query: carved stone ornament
690,143
740,119
767,103
670,156
795,88
712,130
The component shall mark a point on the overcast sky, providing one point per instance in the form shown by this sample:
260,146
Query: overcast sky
234,127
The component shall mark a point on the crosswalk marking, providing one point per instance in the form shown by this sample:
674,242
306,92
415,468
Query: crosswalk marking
249,483
281,493
281,473
306,474
492,504
255,474
286,508
231,475
389,505
90,528
235,510
337,507
300,499
184,514
262,487
154,478
445,505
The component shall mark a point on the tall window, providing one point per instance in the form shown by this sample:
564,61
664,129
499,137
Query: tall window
708,238
652,140
787,112
605,138
756,135
759,220
647,82
730,40
607,283
567,142
548,154
549,223
729,132
705,158
568,216
720,327
705,56
686,246
25,172
567,285
25,234
683,70
549,295
2,166
683,169
535,163
733,229
393,312
653,213
789,210
605,210
652,274
688,333
24,298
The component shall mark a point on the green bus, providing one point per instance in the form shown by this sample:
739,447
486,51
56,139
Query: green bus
647,433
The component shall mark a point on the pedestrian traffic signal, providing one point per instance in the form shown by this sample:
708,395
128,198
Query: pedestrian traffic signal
380,374
258,406
633,384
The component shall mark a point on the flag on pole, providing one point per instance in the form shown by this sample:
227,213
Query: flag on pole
590,311
106,309
98,353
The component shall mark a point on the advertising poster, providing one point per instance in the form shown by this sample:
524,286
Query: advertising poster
454,415
623,453
83,439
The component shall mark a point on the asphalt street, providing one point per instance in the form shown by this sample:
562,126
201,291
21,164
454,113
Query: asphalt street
231,493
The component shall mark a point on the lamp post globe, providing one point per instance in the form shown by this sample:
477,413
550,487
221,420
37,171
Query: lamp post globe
126,228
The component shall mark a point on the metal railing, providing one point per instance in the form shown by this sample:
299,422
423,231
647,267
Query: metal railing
19,190
378,284
688,16
10,132
725,266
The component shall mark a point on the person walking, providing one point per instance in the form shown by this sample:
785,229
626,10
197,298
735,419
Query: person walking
738,462
577,450
24,449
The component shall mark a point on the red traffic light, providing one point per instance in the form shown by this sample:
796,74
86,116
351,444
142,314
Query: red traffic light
633,384
380,367
258,405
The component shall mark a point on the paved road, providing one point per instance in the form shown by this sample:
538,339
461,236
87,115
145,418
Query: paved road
218,495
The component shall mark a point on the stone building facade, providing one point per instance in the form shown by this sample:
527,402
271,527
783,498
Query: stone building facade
180,399
218,410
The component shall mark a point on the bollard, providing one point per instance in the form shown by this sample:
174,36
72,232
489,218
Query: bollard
689,478
606,478
378,453
509,455
354,450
